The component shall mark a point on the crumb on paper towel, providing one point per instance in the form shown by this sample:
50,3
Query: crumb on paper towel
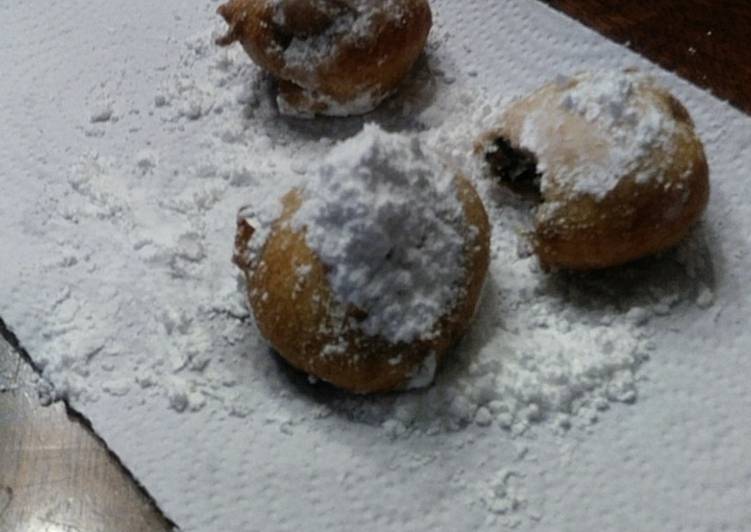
102,113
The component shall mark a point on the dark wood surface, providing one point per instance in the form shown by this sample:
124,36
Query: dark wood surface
708,42
55,475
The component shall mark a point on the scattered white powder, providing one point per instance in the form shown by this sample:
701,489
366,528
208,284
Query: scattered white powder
383,214
129,300
629,128
364,103
705,298
502,496
541,348
307,53
424,375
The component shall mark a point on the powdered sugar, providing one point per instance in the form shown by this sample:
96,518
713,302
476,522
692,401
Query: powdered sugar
352,24
534,353
424,375
308,53
352,21
627,127
364,103
122,285
384,216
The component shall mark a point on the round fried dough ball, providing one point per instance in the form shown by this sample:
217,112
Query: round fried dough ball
361,289
330,57
619,169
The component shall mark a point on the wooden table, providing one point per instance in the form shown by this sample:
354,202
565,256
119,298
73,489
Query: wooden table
56,476
707,42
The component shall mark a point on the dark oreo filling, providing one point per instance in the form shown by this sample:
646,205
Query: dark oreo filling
516,168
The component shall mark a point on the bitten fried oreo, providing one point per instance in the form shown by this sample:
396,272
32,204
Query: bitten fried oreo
616,162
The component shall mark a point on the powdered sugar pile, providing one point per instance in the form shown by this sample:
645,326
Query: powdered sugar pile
627,126
384,216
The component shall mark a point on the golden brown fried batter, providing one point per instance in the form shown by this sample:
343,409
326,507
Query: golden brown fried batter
331,57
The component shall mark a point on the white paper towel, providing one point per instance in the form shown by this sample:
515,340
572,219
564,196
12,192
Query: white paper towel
272,455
